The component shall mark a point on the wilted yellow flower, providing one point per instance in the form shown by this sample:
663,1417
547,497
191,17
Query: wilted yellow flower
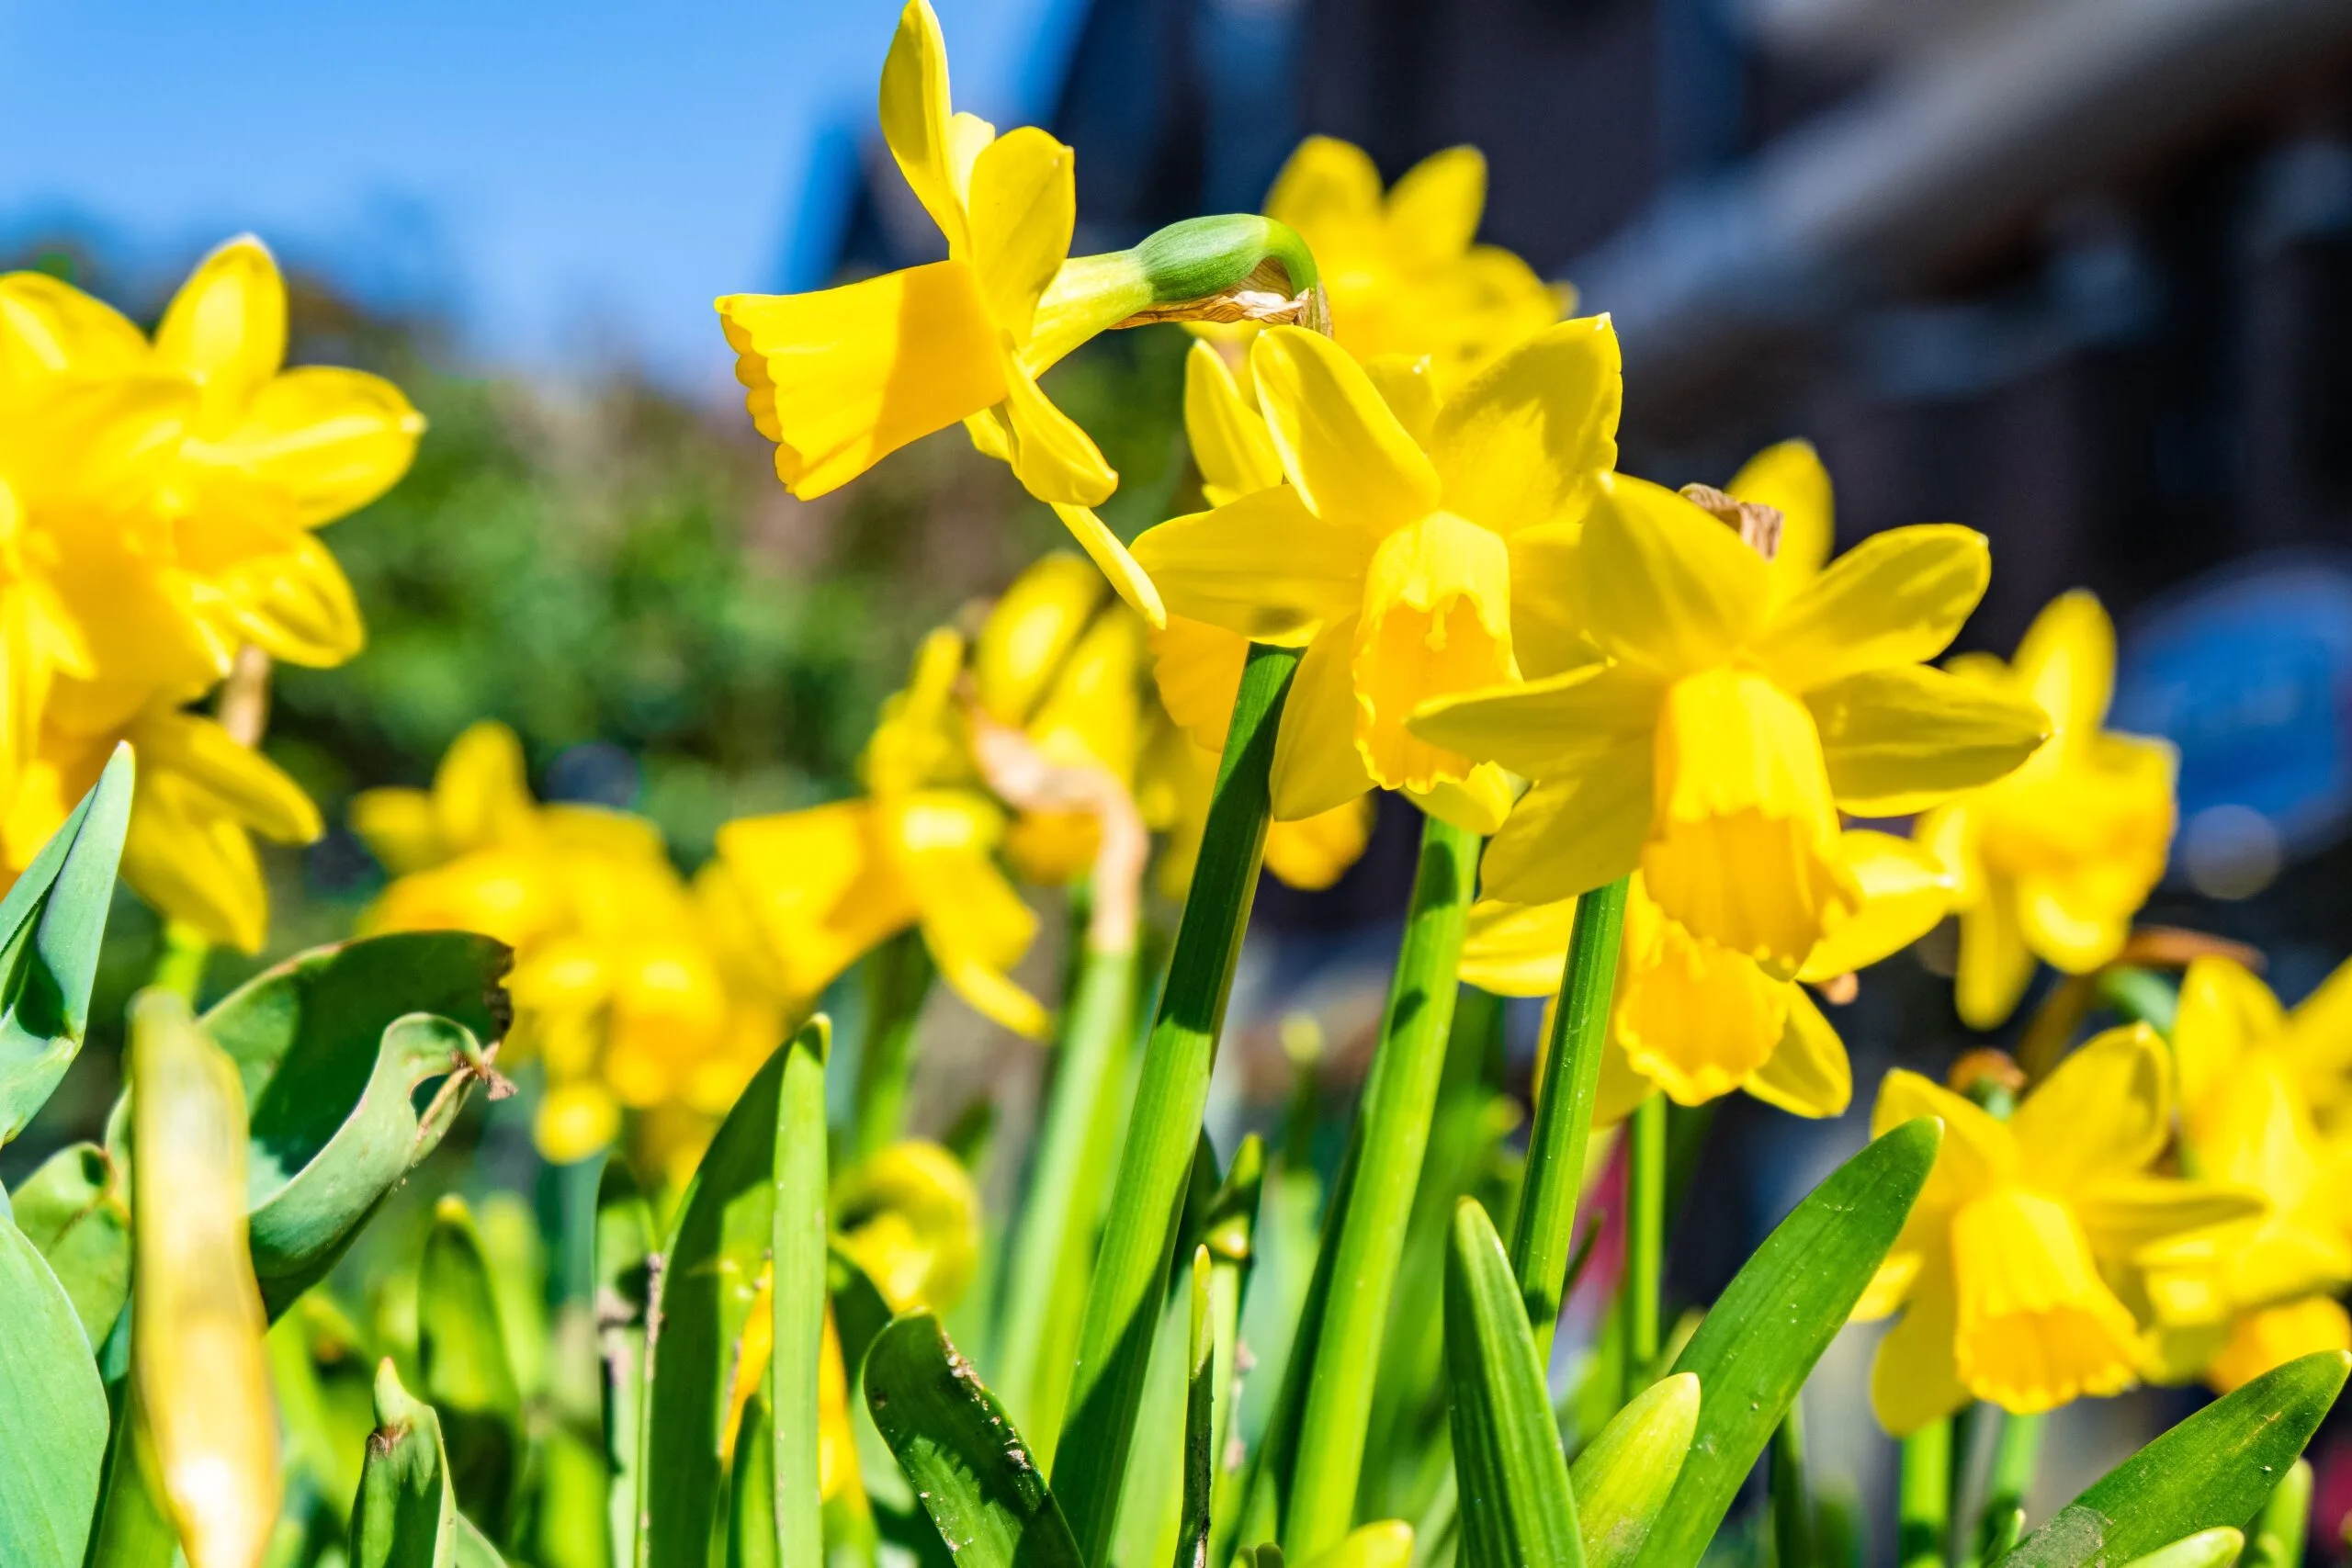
623,987
1697,1020
2055,858
1388,553
1738,705
1403,272
822,888
2006,1271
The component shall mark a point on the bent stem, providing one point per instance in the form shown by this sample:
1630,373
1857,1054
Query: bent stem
1391,1137
1543,1228
1645,1238
1923,1505
1123,1298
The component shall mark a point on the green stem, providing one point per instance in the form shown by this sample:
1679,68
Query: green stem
798,1243
1399,1099
1923,1506
2274,1540
180,961
1792,1498
2008,1485
1543,1228
897,979
2139,995
1046,1288
1645,1238
1122,1300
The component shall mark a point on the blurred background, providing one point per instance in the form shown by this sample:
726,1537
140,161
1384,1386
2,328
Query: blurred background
2077,272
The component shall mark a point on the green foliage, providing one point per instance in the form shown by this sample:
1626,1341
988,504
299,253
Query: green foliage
53,1419
1624,1475
469,1376
407,1515
73,1210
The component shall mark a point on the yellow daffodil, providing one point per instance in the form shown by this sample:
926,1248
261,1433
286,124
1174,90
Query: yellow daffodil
824,887
2250,1074
1697,1021
1736,708
2006,1272
841,378
1388,552
622,988
2055,858
911,1217
1403,272
1173,792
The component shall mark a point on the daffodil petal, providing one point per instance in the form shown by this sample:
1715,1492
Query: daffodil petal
1545,728
1897,741
1024,206
1054,460
2124,1214
1349,459
1318,766
2224,1012
1229,440
332,439
1263,567
1891,1286
1407,384
239,782
398,827
1995,962
1546,631
1526,441
2070,933
1197,668
915,115
1896,598
1315,851
48,325
1914,1381
2318,1034
1906,890
1694,1017
2262,1340
841,378
2037,1326
1436,619
1126,577
2067,661
2105,1111
1329,191
1665,587
226,327
1574,831
195,864
1516,950
1789,477
1432,210
819,889
1479,803
1977,1151
1808,1072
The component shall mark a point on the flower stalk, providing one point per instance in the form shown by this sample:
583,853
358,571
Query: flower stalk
1645,1238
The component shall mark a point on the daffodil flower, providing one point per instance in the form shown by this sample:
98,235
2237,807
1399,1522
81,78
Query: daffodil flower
1735,710
1387,553
2055,858
1697,1021
1403,272
2004,1271
2250,1076
826,886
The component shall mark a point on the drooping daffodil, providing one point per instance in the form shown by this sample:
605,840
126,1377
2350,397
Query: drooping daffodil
1388,552
824,887
2005,1270
1735,708
1693,1019
2055,858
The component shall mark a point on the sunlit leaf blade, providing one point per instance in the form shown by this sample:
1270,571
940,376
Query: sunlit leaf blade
970,1466
1387,1544
196,1326
469,1375
2215,1547
2214,1469
473,1548
72,1209
624,1245
1517,1510
407,1515
2275,1538
53,1414
1624,1476
794,1518
50,925
751,1493
1773,1321
1200,1418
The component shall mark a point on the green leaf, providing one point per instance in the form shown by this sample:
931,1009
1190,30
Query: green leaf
53,1414
50,925
709,1276
974,1474
1624,1475
473,1549
469,1375
624,1246
1773,1321
1387,1544
1200,1418
2216,1468
72,1209
407,1513
1517,1508
2215,1547
752,1540
796,1501
2277,1534
333,1046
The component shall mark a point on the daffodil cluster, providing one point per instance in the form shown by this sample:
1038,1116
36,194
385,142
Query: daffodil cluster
160,498
637,993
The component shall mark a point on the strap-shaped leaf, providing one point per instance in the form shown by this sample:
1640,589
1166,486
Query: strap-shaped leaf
624,1246
469,1375
1517,1509
794,1514
2214,1469
406,1515
971,1470
1773,1321
709,1277
53,1414
2215,1547
50,925
72,1209
1200,1418
1623,1478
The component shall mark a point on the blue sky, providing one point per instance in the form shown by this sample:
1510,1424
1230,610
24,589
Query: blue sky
575,180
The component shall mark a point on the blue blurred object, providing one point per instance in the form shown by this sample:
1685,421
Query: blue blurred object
2248,671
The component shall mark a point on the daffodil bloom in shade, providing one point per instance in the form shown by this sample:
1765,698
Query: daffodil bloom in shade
1728,720
2250,1074
2006,1271
1404,273
627,987
824,887
2055,858
1697,1021
1388,552
911,1217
